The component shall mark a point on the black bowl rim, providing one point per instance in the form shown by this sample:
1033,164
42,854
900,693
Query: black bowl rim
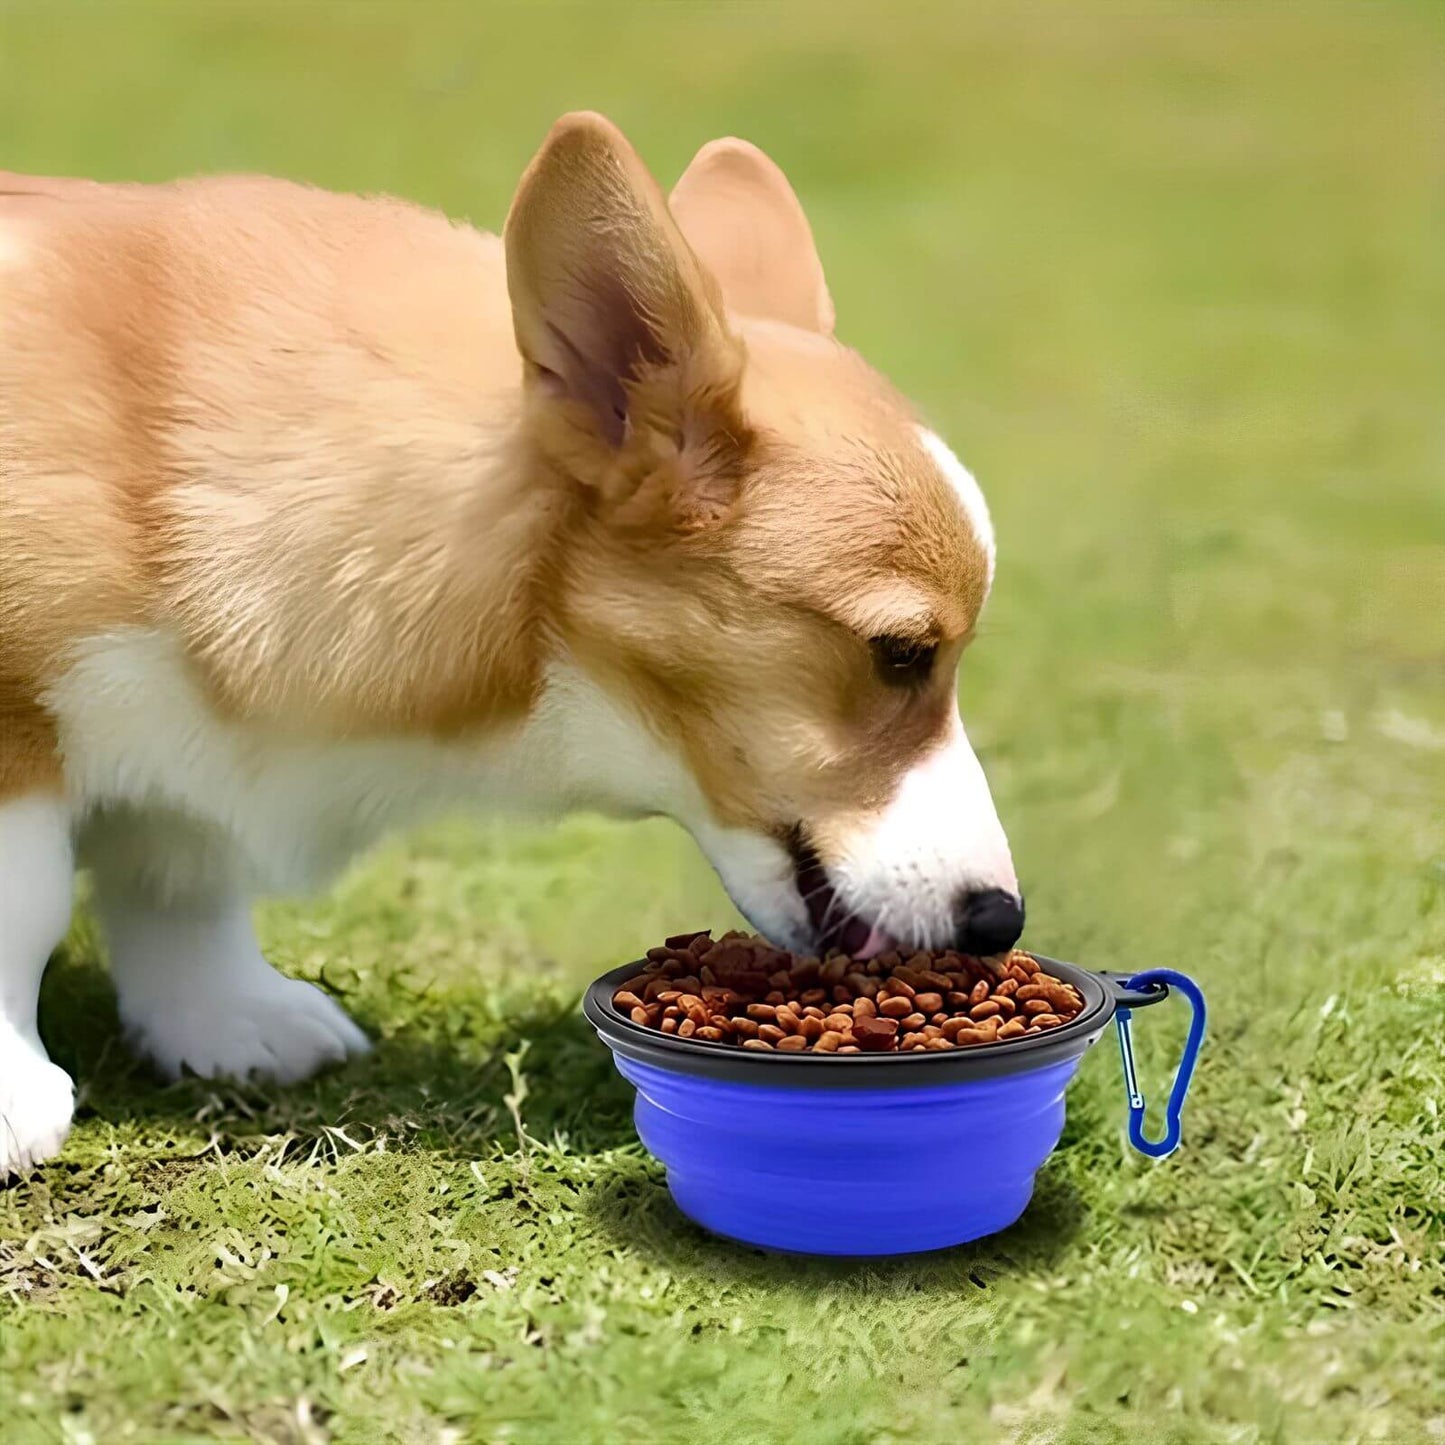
1103,994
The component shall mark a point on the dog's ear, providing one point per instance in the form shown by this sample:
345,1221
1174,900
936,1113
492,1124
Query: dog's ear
621,331
747,226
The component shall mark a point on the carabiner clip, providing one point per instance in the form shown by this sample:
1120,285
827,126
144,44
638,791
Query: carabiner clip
1123,1019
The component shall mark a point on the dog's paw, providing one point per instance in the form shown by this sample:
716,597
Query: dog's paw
36,1102
264,1026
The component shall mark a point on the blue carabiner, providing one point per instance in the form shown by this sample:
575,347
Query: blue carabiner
1161,1148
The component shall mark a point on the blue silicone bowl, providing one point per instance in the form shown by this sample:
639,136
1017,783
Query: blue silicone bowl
869,1154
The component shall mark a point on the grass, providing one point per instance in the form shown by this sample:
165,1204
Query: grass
1170,278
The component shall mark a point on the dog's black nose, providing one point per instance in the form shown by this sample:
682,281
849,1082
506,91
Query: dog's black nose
988,922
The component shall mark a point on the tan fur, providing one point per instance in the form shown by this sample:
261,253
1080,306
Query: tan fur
295,428
742,218
268,417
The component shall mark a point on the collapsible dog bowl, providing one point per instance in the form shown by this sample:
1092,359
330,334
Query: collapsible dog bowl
869,1154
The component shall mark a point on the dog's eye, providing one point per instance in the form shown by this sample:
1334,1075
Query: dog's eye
902,660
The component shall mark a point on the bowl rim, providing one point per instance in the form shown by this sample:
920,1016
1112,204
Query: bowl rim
1103,994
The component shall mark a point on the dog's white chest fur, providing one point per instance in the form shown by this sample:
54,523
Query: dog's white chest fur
140,741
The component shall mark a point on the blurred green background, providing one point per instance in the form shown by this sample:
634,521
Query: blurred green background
1170,277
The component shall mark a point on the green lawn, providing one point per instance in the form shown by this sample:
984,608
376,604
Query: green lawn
1171,278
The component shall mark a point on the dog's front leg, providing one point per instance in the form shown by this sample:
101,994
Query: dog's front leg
193,988
37,873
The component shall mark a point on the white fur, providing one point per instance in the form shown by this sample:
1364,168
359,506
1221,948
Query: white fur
36,877
136,731
969,494
37,1100
284,813
195,993
938,838
181,809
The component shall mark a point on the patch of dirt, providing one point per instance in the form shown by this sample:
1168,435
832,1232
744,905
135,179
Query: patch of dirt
451,1289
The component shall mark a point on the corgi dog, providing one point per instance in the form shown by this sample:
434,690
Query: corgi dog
321,515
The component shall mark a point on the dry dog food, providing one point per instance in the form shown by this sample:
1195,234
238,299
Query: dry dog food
741,990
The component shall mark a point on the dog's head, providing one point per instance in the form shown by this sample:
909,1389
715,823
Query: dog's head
768,561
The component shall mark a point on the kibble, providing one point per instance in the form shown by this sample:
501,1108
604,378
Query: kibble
741,991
